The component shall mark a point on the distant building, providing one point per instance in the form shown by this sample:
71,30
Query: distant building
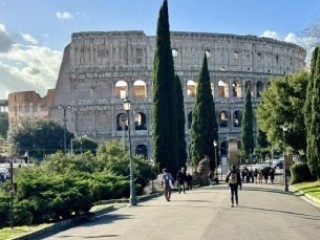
28,105
100,68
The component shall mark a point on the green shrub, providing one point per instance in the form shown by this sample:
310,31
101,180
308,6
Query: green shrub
300,172
4,209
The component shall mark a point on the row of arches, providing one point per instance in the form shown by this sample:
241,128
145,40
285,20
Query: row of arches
140,120
224,89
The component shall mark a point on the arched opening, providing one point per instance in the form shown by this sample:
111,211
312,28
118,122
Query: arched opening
236,88
248,85
223,89
223,119
122,122
140,121
237,119
191,88
224,149
139,89
259,89
142,150
121,90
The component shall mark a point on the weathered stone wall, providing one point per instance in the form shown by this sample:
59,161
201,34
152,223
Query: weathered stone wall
99,68
28,105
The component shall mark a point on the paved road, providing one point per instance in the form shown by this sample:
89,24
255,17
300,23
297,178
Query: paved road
264,212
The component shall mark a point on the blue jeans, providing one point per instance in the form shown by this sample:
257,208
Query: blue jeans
234,193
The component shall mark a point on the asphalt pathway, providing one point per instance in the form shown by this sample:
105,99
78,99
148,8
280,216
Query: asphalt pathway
264,212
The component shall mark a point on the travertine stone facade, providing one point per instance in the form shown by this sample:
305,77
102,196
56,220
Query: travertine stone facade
100,68
28,105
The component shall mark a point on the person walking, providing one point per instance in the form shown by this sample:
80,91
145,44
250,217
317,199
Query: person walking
234,180
168,182
189,181
181,177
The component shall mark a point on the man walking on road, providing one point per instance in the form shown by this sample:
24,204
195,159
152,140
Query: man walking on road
234,180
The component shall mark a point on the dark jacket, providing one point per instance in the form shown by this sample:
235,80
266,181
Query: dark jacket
238,177
181,177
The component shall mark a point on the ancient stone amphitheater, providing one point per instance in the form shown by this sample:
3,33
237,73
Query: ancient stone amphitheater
100,68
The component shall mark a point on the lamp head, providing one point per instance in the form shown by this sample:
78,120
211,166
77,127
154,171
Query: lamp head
126,104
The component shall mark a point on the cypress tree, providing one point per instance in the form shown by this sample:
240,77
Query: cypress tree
313,140
309,115
164,120
181,121
247,141
204,124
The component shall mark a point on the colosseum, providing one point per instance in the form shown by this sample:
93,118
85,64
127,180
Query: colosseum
100,68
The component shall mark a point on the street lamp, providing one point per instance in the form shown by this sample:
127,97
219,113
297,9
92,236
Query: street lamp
133,198
285,129
64,126
216,155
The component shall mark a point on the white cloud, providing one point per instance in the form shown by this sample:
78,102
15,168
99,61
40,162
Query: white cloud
29,39
2,28
34,68
270,34
63,15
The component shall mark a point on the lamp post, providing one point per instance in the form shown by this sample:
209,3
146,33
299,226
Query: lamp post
285,129
64,126
133,198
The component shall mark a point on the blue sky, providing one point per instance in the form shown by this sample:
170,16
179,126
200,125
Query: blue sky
33,33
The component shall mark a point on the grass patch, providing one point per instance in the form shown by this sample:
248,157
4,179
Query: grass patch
311,188
8,233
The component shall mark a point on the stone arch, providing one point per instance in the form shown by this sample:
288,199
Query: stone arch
224,149
223,119
236,88
259,89
237,118
191,88
140,121
248,85
223,89
122,121
139,89
142,150
121,89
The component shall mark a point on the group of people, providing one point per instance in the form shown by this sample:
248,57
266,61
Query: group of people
182,179
257,175
233,178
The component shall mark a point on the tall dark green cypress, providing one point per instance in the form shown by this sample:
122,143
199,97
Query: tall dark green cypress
313,139
247,141
164,118
204,123
181,121
308,117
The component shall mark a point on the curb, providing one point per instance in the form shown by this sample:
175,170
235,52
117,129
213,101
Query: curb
63,225
307,197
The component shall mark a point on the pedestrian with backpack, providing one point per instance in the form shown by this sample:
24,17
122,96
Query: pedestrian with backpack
234,180
168,182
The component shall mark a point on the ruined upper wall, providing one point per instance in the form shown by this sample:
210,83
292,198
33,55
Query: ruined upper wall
125,50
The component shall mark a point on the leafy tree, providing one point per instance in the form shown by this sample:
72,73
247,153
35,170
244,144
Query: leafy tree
204,123
38,138
164,117
82,144
282,102
247,141
181,121
4,124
